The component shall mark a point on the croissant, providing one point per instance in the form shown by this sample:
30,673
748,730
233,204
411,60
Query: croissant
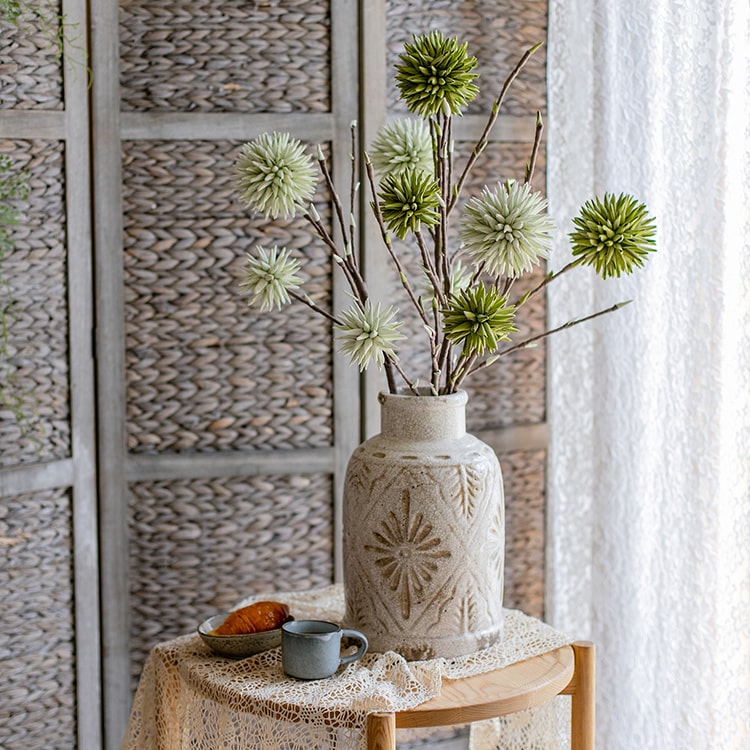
254,618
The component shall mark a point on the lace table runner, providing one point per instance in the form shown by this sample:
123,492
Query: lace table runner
189,698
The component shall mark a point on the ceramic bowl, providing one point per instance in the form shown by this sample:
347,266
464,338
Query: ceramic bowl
237,646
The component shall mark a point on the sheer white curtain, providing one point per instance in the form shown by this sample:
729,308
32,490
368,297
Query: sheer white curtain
650,406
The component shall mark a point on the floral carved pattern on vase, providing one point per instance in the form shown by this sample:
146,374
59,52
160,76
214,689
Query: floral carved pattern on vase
407,553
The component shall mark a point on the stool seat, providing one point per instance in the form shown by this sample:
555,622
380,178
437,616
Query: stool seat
566,670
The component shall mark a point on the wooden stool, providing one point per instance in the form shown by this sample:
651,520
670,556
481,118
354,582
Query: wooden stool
569,670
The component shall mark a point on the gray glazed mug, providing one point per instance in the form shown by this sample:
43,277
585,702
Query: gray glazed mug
311,649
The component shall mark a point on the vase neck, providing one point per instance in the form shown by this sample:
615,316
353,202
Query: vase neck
419,418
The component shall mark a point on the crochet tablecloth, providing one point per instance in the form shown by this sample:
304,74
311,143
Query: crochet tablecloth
189,698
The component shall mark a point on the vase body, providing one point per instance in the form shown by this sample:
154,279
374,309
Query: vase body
424,532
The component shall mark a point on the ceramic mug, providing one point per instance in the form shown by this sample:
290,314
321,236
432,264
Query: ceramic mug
311,649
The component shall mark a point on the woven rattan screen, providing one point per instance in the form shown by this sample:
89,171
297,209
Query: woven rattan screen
205,372
224,431
49,623
30,71
37,320
37,650
226,56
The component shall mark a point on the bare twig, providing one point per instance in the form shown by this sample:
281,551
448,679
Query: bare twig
462,371
547,279
535,148
444,360
392,363
334,195
305,299
527,342
356,282
484,138
430,268
354,184
446,173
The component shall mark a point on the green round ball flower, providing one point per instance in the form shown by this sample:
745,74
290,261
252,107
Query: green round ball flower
269,276
507,229
478,318
435,75
613,235
274,175
402,145
408,200
369,334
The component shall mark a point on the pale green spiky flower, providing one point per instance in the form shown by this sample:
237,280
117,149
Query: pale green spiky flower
460,278
408,200
402,145
507,229
614,234
269,277
274,175
435,75
369,334
479,318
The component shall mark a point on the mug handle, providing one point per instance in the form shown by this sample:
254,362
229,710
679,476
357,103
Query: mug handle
360,652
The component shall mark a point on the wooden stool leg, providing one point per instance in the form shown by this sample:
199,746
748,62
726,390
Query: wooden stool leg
381,731
583,697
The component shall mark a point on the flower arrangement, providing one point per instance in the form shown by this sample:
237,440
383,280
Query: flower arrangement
504,233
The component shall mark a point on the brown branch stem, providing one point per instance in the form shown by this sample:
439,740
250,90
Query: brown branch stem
547,279
353,186
430,269
356,282
484,138
531,166
564,326
334,195
393,363
462,371
306,300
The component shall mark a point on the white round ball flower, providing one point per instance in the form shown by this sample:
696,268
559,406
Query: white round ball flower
269,276
402,145
507,229
274,175
368,334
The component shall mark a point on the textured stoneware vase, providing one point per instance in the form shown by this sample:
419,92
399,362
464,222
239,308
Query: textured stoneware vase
424,532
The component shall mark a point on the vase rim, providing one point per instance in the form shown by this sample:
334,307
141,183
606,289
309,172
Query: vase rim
458,397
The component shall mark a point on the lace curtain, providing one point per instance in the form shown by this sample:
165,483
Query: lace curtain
650,406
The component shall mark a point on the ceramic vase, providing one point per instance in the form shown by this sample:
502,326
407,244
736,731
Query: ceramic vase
424,532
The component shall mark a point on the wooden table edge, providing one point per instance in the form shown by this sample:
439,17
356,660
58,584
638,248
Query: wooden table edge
522,685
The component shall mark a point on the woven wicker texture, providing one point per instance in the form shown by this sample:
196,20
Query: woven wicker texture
524,479
197,547
204,371
225,55
512,391
37,680
37,320
497,33
30,68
